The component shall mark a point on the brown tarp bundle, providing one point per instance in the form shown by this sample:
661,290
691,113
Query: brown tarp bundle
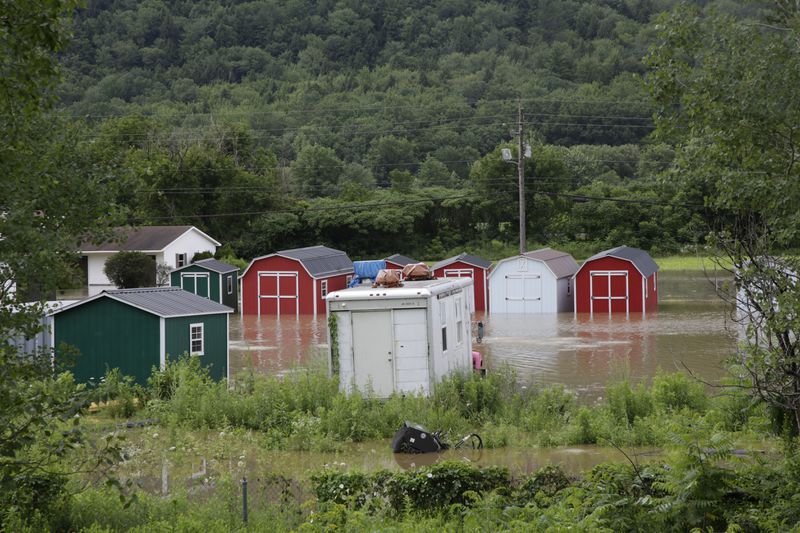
417,271
387,278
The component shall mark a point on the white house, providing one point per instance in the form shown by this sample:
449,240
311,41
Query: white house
402,339
533,282
173,246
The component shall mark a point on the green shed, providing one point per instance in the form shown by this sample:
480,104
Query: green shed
137,329
210,279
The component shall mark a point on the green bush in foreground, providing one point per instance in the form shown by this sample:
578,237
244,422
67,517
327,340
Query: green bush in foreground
305,410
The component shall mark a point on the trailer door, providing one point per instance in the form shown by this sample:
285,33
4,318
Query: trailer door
373,352
608,291
411,350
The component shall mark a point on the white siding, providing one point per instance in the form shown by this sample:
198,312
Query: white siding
189,243
516,283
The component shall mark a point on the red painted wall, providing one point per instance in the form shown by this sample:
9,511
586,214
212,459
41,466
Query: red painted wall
637,299
335,283
481,284
393,266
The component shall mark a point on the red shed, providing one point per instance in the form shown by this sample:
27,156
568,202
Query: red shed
294,282
619,280
398,262
466,265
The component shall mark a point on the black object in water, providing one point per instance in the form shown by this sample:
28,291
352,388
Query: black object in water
413,438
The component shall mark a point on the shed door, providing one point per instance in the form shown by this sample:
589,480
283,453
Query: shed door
196,283
608,291
372,352
278,293
411,350
523,293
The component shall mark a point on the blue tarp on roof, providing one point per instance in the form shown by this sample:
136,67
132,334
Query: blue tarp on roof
366,270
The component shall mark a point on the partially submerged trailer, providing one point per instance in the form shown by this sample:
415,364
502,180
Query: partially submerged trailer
403,339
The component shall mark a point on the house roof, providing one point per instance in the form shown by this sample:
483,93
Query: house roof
142,239
464,257
319,261
401,260
561,264
211,264
166,302
640,259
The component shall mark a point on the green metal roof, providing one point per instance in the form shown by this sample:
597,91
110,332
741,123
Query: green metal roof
161,301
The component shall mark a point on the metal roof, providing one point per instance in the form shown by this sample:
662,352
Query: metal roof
401,260
141,239
321,260
640,259
165,302
464,257
561,264
213,265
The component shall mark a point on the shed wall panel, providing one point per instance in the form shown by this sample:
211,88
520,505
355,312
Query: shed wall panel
109,334
215,341
479,275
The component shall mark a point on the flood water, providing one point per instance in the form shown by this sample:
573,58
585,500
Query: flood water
690,330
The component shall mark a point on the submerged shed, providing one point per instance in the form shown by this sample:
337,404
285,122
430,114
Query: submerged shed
619,280
294,282
138,329
467,266
210,279
402,339
533,282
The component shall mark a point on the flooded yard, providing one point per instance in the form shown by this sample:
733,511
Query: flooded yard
691,330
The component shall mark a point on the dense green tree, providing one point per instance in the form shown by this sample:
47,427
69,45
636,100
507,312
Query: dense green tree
725,95
131,270
49,199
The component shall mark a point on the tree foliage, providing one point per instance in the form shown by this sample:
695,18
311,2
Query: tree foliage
725,95
130,270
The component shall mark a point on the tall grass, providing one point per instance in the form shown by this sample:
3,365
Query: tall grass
304,410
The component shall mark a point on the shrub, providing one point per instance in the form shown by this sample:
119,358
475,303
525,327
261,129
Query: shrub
678,391
627,403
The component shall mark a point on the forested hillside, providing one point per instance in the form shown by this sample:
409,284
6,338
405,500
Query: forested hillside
377,126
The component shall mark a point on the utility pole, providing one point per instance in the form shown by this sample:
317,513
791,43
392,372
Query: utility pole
521,172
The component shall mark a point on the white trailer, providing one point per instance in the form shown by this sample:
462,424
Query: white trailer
403,339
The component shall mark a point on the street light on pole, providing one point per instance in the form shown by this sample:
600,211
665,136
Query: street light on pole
523,153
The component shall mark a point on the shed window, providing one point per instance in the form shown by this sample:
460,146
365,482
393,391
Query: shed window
180,260
230,284
196,339
459,323
324,288
443,318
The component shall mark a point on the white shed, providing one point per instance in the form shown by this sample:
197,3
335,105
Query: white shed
402,339
533,282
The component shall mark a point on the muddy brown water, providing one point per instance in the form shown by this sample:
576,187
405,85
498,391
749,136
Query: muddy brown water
170,473
690,330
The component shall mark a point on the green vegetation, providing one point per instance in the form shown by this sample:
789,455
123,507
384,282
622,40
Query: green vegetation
700,482
281,124
306,411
